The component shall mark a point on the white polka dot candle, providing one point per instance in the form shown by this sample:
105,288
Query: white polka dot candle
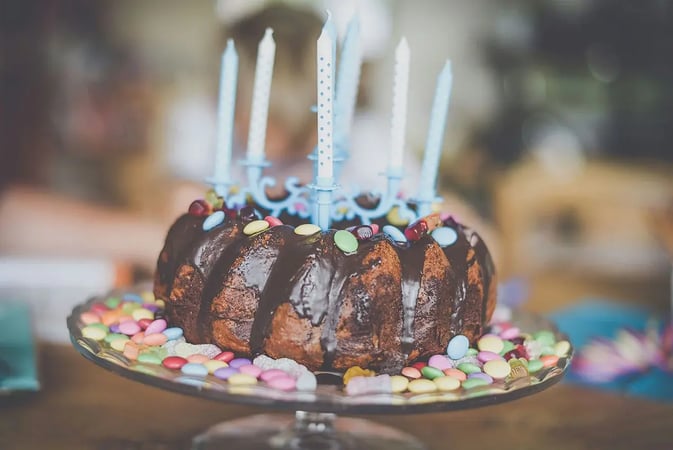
326,46
260,97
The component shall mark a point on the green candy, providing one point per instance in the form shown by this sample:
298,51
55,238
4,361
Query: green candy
471,352
534,365
468,368
112,302
507,346
99,326
129,307
474,382
431,372
149,358
114,337
547,350
346,242
545,337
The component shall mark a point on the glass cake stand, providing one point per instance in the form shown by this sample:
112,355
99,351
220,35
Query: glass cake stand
315,424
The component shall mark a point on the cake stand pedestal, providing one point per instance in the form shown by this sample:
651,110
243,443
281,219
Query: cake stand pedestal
317,421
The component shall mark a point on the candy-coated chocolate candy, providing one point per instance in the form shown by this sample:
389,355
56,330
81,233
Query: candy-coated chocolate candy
416,230
144,323
212,365
129,327
138,337
535,365
455,373
431,372
88,318
251,370
421,386
440,362
241,379
271,373
112,302
114,336
394,233
273,221
129,307
346,242
95,333
510,333
307,229
194,369
549,360
225,372
110,317
307,382
238,362
150,307
498,369
132,297
446,384
142,313
173,333
411,372
561,348
398,383
131,350
484,376
155,339
374,227
198,359
544,337
282,383
457,347
213,220
149,358
444,236
419,365
362,232
485,356
490,343
474,382
120,343
394,218
200,208
357,371
224,356
156,326
506,347
148,296
468,368
256,226
471,352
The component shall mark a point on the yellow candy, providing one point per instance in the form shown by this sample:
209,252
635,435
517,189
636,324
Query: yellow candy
561,348
256,226
394,218
95,333
213,364
119,344
446,384
148,296
142,313
490,343
307,229
357,371
422,386
399,383
497,368
242,379
160,303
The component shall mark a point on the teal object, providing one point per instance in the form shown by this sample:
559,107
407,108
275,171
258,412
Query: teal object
18,371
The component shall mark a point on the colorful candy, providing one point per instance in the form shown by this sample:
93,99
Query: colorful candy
446,384
457,347
395,234
273,221
421,386
307,229
200,208
362,232
256,226
444,236
498,369
213,220
346,242
490,343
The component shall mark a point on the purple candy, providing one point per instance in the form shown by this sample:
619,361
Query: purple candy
151,307
238,362
481,375
114,328
224,373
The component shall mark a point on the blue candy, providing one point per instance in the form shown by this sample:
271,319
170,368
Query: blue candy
194,369
444,236
457,347
394,233
213,220
172,333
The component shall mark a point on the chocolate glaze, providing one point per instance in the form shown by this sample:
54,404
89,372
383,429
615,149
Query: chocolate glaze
278,266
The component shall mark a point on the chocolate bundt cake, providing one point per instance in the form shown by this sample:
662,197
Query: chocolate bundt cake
301,296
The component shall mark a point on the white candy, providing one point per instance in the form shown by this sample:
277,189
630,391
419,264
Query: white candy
369,385
307,381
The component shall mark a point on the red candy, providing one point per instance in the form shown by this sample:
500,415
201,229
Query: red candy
144,323
416,230
200,208
224,356
273,221
99,308
419,365
174,362
375,228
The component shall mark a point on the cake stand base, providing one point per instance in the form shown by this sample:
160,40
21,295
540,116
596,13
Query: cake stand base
315,431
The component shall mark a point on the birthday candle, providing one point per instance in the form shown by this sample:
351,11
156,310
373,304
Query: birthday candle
399,117
347,83
225,117
433,144
325,60
260,97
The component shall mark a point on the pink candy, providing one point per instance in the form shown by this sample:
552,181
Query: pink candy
224,356
440,362
411,372
197,358
273,221
155,339
156,326
282,383
129,327
251,370
88,318
271,373
510,333
485,356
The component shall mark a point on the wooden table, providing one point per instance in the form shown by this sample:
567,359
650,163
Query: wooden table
83,406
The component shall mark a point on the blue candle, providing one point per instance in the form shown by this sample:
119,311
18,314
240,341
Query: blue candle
433,146
347,84
225,119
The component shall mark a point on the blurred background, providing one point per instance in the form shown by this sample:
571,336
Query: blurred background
558,138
